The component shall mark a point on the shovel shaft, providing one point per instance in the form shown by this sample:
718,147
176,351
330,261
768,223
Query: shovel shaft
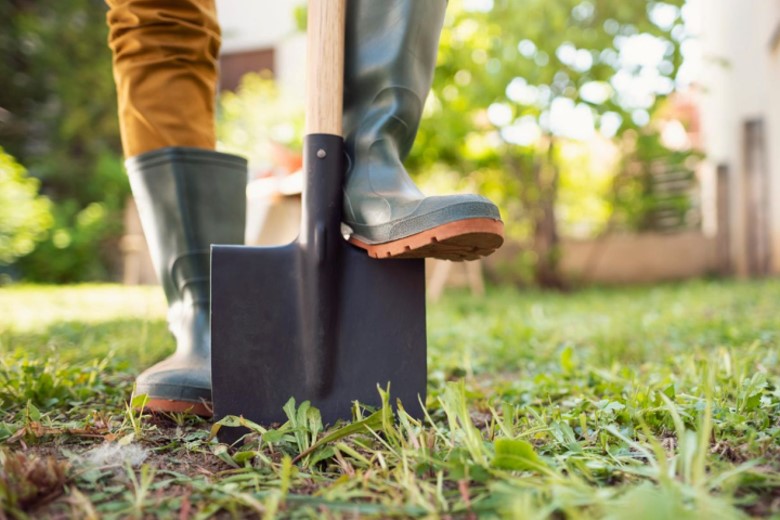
320,261
325,74
319,240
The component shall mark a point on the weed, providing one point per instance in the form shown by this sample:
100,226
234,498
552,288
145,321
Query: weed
134,414
140,487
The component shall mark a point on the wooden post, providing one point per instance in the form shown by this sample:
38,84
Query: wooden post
756,198
723,209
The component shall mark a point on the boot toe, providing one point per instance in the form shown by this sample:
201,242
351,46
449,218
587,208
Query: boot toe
179,381
450,227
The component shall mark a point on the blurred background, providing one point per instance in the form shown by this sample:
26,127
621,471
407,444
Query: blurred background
625,142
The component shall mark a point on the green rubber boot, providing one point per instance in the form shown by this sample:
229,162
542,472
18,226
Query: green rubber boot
188,199
390,56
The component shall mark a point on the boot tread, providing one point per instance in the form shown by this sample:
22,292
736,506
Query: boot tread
467,239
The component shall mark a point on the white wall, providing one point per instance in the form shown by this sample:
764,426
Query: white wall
736,76
773,120
255,24
261,24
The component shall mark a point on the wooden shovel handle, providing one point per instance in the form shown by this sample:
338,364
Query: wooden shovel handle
325,74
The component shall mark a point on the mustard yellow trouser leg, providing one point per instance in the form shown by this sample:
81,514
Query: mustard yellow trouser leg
165,69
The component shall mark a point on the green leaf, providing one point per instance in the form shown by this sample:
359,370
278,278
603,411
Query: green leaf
235,421
313,422
243,456
229,420
221,452
289,410
321,455
373,422
752,402
139,401
32,412
275,435
303,414
567,360
516,455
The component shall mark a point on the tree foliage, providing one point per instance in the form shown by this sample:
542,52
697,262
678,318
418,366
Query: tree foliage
24,215
258,117
58,118
652,190
516,81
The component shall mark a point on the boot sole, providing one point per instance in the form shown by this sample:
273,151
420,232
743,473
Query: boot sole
170,406
467,239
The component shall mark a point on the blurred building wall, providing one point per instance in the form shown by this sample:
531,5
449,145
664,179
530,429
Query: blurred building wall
621,258
739,43
254,27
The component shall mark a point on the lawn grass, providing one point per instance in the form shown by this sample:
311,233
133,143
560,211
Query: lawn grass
659,402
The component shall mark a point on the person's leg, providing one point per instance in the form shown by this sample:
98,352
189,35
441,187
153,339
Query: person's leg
188,195
391,48
165,70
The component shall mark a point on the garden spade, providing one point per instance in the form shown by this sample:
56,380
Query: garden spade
317,319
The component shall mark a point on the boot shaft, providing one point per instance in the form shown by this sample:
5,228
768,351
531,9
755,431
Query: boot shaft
188,199
390,56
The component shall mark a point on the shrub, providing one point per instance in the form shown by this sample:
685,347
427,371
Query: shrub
58,119
25,216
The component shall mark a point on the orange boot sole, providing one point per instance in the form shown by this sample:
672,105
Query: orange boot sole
202,409
467,239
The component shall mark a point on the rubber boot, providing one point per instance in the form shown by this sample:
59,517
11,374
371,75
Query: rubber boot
390,56
188,199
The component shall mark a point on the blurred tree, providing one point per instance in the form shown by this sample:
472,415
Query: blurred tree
516,80
24,215
652,190
258,117
58,118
